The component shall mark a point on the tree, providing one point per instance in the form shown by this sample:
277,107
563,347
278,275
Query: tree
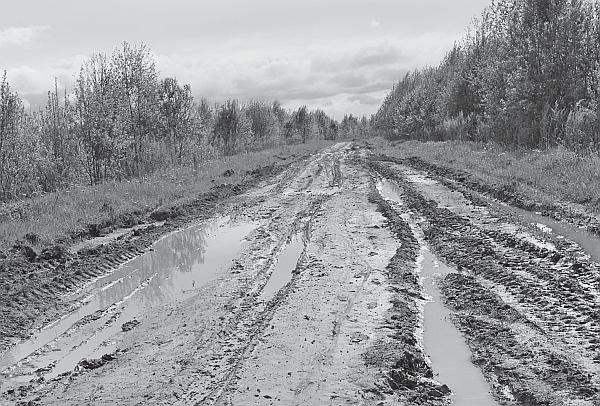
264,122
137,86
233,129
301,123
11,114
60,145
98,122
177,113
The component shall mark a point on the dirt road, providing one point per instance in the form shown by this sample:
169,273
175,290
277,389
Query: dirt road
347,279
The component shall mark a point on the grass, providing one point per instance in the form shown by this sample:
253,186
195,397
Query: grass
56,216
544,175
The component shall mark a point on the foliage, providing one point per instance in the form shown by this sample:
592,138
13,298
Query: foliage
526,74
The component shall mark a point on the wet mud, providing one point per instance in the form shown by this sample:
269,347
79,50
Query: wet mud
507,193
174,269
347,278
409,372
526,307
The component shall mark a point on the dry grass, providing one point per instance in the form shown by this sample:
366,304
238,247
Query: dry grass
545,175
56,216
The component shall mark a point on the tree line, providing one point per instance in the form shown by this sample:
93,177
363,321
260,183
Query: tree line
121,120
527,74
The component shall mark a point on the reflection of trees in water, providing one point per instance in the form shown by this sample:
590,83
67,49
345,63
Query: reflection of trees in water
179,251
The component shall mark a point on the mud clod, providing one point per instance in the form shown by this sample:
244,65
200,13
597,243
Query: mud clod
26,251
160,214
130,325
56,252
89,364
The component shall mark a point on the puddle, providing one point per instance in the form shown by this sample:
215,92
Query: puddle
449,354
390,191
444,197
589,242
178,266
283,271
456,202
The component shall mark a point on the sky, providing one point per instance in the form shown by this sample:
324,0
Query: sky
341,56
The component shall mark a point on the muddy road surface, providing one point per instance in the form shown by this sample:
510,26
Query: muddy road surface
349,278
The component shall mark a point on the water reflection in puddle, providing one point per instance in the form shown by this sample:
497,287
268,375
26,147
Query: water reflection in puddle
175,269
449,354
390,191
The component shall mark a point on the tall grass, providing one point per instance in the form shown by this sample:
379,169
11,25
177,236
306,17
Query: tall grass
557,173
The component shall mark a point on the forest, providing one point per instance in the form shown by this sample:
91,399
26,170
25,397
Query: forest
122,120
527,74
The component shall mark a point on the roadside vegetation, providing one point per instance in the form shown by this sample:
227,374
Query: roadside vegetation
92,210
527,74
516,102
545,176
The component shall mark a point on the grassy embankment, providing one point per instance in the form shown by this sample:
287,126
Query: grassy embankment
58,216
543,175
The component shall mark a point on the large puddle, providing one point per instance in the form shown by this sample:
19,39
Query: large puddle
174,270
449,354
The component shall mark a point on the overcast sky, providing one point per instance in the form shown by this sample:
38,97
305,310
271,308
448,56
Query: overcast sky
338,55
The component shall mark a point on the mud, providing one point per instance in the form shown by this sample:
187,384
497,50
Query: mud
447,352
527,309
343,279
409,373
173,269
450,357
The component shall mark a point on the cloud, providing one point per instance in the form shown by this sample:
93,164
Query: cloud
349,78
370,55
313,73
354,75
20,36
33,83
374,23
365,99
